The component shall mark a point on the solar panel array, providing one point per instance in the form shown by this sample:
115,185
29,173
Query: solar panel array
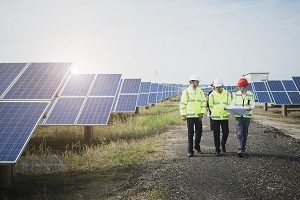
86,99
28,91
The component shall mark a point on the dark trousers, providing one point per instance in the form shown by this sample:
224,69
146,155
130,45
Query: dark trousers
216,124
242,126
194,126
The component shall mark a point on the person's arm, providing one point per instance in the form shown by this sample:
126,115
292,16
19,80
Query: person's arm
253,104
183,104
203,103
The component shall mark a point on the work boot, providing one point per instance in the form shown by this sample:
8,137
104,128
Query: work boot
218,153
240,153
198,151
190,155
223,148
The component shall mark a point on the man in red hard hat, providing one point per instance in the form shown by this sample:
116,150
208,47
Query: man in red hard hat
243,98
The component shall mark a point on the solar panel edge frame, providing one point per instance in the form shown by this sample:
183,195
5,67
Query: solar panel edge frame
14,81
29,137
117,94
64,86
291,103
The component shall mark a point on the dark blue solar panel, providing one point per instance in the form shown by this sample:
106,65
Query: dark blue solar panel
159,97
8,72
106,85
143,100
96,111
17,122
154,87
263,97
160,87
250,87
281,98
39,81
289,85
65,111
297,81
145,87
127,103
131,86
260,86
78,85
152,98
275,85
295,97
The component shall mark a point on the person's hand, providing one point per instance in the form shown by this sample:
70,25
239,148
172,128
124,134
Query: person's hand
183,117
200,116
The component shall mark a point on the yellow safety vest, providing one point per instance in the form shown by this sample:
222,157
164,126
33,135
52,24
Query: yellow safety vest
192,103
217,103
247,102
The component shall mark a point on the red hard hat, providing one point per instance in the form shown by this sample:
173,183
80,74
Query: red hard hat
242,82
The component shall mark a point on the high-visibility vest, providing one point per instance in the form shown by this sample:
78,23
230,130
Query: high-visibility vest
247,102
217,103
192,103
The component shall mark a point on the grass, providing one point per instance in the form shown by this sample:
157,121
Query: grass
157,194
126,140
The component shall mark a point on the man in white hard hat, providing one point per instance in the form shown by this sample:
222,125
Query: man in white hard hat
192,108
219,99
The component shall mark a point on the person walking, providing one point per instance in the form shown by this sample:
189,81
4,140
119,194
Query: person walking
219,99
192,108
243,98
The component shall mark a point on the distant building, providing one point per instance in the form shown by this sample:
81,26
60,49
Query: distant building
257,76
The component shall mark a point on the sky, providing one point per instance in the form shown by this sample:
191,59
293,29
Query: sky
156,40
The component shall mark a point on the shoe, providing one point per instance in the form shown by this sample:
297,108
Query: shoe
240,153
218,153
190,155
198,151
223,148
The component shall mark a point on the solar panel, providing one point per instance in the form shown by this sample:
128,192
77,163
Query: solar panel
281,98
145,87
78,85
297,81
106,85
154,87
152,98
263,97
18,121
275,86
143,100
8,73
289,85
126,103
39,81
96,111
65,111
250,87
130,86
259,86
294,97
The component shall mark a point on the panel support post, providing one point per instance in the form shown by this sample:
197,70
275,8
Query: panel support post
88,135
284,110
6,176
265,106
137,110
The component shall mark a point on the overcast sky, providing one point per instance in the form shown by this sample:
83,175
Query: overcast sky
175,38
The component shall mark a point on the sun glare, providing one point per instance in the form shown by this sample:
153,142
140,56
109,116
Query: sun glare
75,69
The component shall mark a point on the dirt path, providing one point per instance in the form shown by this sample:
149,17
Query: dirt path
271,169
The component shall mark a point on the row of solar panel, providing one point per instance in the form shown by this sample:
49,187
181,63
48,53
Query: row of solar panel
281,92
28,90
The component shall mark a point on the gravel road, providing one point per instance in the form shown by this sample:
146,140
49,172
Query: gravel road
271,169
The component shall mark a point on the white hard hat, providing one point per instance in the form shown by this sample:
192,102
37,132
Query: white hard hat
194,78
218,82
